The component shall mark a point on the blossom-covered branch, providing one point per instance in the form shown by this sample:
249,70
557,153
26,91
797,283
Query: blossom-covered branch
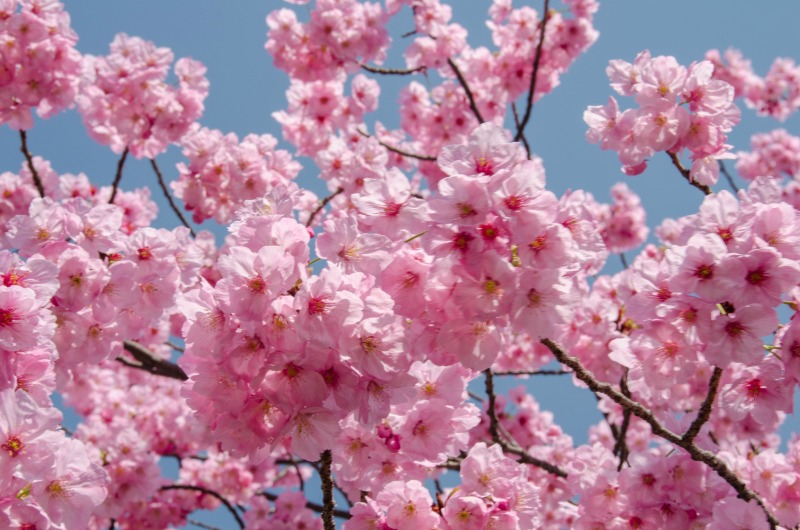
660,430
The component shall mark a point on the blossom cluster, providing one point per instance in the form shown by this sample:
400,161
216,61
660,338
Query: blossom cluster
39,66
222,173
777,94
679,108
127,104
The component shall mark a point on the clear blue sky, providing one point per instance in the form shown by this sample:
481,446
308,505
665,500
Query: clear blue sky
228,37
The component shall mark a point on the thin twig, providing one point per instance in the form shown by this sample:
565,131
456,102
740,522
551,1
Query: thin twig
37,181
113,524
207,491
168,195
149,362
639,410
621,446
687,175
728,176
534,372
174,346
465,86
705,408
489,384
535,73
118,176
522,137
341,514
328,504
397,150
322,204
624,260
202,524
392,71
494,432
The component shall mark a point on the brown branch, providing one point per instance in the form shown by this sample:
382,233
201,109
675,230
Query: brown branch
207,491
534,372
322,204
118,176
534,74
37,181
660,430
494,432
392,71
202,524
705,408
168,195
328,504
522,136
621,446
728,177
397,150
687,175
149,362
341,514
465,86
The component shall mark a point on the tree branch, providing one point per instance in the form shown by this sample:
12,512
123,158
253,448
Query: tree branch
705,408
118,176
728,177
465,86
328,504
522,136
687,175
37,181
397,150
207,491
341,514
621,446
168,195
149,362
322,204
534,74
660,430
202,524
494,432
392,71
534,372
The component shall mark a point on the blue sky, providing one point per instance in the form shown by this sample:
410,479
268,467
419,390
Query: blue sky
229,38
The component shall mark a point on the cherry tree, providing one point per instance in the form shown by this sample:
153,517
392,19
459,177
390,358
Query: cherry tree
356,337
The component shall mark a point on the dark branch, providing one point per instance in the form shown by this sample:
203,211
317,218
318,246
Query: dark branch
149,362
522,136
465,86
537,58
341,514
118,176
687,175
328,504
207,491
202,524
621,446
37,181
168,195
705,408
392,71
728,177
399,151
512,448
322,204
639,410
534,372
